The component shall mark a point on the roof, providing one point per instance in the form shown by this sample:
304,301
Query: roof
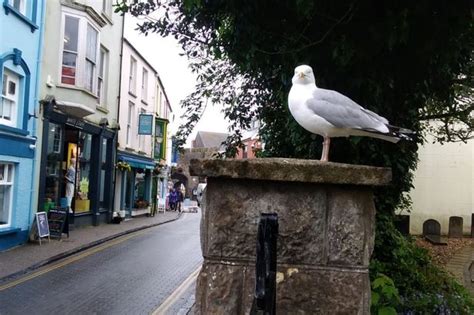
207,139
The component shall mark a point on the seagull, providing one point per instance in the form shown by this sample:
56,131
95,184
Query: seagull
331,114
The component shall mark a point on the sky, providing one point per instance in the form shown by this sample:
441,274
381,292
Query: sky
164,55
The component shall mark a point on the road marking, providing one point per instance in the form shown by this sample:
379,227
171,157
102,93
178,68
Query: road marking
71,259
170,300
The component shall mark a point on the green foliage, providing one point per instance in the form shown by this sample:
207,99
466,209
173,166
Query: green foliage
423,287
385,296
406,60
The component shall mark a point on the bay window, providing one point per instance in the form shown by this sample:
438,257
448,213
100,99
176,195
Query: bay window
80,53
6,187
9,98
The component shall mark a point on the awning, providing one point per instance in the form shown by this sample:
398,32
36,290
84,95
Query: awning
74,109
137,161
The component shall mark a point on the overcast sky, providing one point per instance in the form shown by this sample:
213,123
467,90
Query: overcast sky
163,55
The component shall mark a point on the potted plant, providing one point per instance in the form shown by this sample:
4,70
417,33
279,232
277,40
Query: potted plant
123,166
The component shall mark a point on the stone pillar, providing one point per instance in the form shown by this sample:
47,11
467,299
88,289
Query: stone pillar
326,233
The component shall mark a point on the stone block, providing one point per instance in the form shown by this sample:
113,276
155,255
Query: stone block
229,289
326,220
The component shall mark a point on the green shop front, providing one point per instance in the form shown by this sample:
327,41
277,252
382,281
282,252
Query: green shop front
77,169
133,189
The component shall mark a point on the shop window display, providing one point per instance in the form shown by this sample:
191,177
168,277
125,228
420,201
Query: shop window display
53,167
140,202
82,201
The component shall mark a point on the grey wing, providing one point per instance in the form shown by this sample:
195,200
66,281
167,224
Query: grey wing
343,112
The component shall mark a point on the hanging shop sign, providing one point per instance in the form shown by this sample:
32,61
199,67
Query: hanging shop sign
145,124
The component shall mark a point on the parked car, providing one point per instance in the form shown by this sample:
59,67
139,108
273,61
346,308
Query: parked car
200,192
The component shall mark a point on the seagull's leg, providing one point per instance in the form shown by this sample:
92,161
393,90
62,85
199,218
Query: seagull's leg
325,155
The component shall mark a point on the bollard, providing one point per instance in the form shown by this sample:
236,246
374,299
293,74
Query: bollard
265,280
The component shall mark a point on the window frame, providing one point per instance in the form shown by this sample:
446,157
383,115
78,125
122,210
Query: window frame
144,92
22,9
141,138
102,76
107,8
130,119
132,76
11,185
16,79
81,60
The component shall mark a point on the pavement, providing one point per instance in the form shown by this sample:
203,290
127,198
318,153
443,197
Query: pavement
459,266
25,258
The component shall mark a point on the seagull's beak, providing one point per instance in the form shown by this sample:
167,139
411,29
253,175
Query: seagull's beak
301,75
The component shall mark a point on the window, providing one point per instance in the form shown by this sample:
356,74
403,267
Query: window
141,138
70,50
19,5
101,86
245,152
91,57
144,85
80,53
9,101
56,138
107,7
132,80
6,188
131,108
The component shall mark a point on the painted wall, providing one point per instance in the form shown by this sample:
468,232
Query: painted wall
17,144
140,103
444,185
110,36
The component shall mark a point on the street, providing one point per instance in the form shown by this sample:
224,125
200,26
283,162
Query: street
148,271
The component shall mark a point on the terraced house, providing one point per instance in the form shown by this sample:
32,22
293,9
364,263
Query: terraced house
20,54
79,95
143,137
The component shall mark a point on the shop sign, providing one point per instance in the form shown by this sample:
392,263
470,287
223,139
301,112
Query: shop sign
145,124
78,123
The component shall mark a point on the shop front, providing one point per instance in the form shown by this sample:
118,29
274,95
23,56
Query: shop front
134,181
76,167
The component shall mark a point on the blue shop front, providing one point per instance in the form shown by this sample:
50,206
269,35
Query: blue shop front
133,185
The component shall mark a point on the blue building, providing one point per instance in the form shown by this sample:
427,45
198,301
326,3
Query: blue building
20,54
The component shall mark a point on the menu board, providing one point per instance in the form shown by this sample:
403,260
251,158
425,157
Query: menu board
58,223
42,224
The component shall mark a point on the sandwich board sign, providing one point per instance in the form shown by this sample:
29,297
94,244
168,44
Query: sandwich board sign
42,225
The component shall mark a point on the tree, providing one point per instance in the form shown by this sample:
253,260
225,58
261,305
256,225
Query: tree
409,61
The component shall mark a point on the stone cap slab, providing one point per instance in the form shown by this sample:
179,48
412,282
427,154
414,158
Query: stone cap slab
292,170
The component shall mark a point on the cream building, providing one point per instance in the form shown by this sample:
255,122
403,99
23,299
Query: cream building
79,95
444,187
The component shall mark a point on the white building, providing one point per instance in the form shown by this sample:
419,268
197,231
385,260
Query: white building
142,138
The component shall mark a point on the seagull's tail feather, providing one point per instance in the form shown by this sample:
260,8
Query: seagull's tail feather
402,133
393,135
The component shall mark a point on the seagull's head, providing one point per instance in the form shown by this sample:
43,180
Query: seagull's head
303,75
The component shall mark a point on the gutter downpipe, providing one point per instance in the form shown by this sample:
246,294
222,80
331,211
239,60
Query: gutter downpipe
36,109
114,149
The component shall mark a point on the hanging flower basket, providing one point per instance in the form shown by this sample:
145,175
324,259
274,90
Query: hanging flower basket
123,166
